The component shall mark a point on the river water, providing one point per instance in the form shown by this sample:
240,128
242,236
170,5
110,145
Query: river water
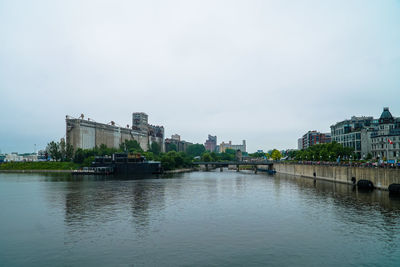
194,219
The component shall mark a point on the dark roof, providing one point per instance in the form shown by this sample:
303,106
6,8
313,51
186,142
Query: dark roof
386,116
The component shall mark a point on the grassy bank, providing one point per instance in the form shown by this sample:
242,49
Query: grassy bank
42,165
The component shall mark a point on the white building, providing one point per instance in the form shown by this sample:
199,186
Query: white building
385,139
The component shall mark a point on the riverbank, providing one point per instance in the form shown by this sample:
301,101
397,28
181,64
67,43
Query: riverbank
184,170
40,166
35,171
380,177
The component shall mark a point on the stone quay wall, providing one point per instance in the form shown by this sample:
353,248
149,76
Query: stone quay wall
380,177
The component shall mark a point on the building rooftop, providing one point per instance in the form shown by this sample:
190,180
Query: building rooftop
386,116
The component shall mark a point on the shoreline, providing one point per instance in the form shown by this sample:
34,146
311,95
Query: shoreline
184,170
36,171
181,170
381,178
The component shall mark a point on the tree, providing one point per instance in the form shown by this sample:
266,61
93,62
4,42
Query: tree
276,155
195,150
53,150
88,161
79,156
69,152
171,147
168,161
155,148
257,155
214,156
206,157
62,148
131,146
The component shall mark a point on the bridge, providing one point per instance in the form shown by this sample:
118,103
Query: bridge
222,164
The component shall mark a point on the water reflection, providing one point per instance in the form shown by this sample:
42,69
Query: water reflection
202,217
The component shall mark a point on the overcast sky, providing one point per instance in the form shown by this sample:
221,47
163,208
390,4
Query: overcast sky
264,71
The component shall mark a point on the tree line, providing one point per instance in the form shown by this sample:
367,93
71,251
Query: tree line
324,152
60,151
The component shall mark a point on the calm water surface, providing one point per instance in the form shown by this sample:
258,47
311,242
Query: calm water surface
195,219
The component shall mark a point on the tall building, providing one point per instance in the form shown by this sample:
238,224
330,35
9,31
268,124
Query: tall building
175,141
355,133
176,137
314,138
300,143
140,120
385,138
223,146
87,134
211,143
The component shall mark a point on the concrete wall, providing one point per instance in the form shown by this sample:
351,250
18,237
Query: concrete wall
380,177
88,134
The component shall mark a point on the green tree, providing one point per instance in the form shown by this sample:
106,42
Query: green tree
149,155
62,149
206,157
276,155
168,161
53,149
79,156
155,148
214,156
179,160
69,152
195,150
171,147
131,146
88,161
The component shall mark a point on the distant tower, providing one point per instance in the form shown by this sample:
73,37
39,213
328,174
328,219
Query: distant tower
140,120
211,143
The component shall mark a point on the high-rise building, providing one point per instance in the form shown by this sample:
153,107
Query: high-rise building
314,138
300,143
211,143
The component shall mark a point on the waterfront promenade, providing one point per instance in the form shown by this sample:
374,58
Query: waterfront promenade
381,177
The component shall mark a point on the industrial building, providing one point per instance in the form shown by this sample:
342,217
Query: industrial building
175,141
86,133
211,143
223,146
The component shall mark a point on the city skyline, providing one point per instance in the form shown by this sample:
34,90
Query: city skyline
266,72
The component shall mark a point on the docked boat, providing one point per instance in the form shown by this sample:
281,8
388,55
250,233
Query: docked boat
127,164
269,171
